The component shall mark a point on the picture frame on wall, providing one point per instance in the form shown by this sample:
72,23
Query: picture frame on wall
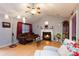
6,24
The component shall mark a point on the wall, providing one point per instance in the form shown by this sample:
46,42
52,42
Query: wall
56,22
5,33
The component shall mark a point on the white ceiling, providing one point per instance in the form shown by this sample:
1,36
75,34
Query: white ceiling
54,9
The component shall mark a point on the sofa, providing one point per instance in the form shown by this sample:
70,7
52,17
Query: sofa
25,38
66,49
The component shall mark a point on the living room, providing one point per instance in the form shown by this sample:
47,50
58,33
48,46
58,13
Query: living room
27,29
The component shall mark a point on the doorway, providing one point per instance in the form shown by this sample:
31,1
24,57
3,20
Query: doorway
65,29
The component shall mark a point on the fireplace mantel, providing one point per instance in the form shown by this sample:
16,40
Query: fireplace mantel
47,30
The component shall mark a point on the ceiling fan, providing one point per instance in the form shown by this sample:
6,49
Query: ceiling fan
33,9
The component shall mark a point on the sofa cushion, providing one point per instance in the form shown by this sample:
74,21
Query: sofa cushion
51,48
67,41
46,53
63,50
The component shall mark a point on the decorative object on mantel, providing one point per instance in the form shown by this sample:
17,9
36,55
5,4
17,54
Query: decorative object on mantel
51,27
46,26
41,27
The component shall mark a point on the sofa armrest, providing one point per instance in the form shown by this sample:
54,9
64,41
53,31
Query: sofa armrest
50,48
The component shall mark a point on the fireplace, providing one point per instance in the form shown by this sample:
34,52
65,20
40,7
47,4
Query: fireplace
47,36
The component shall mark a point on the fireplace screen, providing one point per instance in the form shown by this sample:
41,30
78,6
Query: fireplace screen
47,36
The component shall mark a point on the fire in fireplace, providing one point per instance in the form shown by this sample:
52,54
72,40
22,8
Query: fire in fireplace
47,36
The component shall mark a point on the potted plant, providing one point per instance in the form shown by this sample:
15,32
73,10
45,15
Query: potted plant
58,36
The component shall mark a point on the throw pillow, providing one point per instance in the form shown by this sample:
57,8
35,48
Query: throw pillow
66,48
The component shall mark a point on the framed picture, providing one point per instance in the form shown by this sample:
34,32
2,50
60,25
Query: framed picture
6,24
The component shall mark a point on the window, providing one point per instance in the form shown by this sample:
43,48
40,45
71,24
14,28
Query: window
25,28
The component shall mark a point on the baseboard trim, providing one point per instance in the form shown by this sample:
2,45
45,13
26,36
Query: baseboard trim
6,45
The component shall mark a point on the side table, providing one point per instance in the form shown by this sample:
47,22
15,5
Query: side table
38,41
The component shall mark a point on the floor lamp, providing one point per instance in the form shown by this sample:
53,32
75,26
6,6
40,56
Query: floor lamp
12,41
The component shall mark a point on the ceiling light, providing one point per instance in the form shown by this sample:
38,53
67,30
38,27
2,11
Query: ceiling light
46,23
24,20
6,16
18,16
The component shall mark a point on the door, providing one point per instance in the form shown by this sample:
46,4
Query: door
66,29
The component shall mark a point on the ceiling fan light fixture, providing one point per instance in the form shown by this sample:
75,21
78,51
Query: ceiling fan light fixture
29,7
33,11
38,8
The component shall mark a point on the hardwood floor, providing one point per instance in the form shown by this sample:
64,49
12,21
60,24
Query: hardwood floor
26,50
